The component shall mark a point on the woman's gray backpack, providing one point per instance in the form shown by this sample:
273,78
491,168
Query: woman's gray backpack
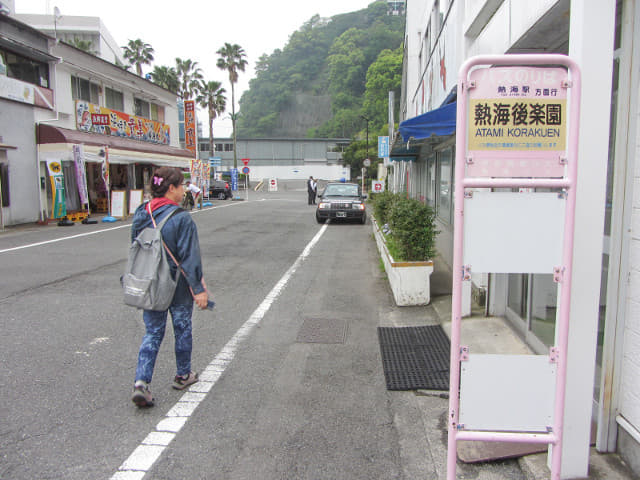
147,281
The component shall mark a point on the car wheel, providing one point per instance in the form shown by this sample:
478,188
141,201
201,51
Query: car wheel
363,220
319,220
222,196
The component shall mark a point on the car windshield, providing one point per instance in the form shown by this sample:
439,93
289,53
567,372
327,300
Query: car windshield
341,191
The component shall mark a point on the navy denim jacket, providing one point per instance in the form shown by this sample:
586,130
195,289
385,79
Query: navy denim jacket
181,236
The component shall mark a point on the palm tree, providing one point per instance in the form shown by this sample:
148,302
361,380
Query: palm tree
84,45
211,96
138,53
166,77
189,75
232,59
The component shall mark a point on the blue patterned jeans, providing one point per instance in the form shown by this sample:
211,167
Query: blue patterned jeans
155,324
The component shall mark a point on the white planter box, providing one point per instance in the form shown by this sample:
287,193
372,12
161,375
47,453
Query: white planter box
410,281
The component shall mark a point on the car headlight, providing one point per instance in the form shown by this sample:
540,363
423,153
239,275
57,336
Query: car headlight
358,206
324,205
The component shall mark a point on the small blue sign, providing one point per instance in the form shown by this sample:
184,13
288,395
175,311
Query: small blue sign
383,147
215,161
234,179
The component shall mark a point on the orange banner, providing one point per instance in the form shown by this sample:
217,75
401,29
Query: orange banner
190,126
97,119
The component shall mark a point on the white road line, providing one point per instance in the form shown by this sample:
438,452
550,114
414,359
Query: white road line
55,240
144,456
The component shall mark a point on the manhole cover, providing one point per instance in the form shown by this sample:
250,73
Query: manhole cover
322,330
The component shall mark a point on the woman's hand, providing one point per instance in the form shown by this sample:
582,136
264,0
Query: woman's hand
201,299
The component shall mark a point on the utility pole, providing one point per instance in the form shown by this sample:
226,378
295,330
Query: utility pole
367,160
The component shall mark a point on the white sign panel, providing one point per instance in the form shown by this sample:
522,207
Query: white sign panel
377,186
511,393
513,232
273,184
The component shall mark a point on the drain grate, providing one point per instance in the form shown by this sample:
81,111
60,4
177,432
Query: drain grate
415,357
322,330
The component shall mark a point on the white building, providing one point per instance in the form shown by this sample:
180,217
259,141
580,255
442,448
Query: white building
604,39
69,28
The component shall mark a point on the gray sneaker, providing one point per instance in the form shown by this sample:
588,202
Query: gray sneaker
180,382
141,394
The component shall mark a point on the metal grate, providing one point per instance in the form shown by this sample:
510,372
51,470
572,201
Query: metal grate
415,357
322,330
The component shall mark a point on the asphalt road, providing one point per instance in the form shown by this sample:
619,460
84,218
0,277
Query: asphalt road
283,407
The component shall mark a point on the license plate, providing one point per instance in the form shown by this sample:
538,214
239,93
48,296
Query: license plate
341,214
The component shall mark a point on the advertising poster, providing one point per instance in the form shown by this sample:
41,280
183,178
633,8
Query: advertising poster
96,119
58,203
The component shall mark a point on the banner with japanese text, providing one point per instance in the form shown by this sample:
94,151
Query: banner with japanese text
96,119
190,126
81,175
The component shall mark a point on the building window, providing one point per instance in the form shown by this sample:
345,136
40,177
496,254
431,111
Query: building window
219,147
228,147
25,69
204,147
141,108
82,89
113,99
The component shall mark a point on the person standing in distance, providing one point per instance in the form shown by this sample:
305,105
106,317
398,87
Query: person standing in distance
181,237
312,187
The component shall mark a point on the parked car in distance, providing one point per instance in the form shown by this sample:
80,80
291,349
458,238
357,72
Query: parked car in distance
220,189
341,201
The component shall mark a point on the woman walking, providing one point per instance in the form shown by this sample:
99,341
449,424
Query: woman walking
181,238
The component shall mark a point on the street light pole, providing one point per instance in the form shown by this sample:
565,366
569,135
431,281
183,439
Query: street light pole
366,119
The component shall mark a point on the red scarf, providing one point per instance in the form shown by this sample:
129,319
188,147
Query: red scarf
160,202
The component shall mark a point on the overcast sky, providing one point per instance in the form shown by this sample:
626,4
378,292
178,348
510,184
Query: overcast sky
196,29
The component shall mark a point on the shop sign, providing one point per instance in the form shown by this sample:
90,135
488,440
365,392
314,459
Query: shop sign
517,109
96,119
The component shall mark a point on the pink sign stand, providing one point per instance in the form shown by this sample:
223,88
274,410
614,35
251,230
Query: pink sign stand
517,127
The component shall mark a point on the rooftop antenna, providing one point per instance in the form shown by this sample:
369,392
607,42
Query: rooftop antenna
56,16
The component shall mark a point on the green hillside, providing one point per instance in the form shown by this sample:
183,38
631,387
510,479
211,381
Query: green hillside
329,74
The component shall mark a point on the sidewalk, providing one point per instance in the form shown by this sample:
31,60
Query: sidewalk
490,335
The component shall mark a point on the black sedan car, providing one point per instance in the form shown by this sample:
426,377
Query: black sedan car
341,201
220,189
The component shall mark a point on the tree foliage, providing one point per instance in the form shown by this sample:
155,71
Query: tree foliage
328,57
138,53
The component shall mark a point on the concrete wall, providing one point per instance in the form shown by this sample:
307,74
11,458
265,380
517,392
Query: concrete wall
302,172
17,121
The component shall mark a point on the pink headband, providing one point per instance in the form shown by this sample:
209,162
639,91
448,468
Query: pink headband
157,180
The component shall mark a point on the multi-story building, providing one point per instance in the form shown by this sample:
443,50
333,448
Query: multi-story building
603,38
55,97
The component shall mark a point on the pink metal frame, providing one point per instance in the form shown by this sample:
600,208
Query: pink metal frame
559,352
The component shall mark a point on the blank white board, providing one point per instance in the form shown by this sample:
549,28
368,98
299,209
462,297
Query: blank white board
512,232
507,393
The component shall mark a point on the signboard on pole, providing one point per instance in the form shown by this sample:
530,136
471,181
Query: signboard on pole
520,114
377,186
234,179
383,147
273,185
190,126
58,203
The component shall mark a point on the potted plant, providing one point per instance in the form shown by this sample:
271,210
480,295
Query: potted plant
405,233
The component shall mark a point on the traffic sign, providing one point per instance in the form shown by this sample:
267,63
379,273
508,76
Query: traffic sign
383,147
245,161
367,162
273,185
377,186
245,170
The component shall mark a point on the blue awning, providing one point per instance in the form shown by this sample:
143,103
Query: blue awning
438,122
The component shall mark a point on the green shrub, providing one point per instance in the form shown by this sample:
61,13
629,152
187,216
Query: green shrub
382,203
413,229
